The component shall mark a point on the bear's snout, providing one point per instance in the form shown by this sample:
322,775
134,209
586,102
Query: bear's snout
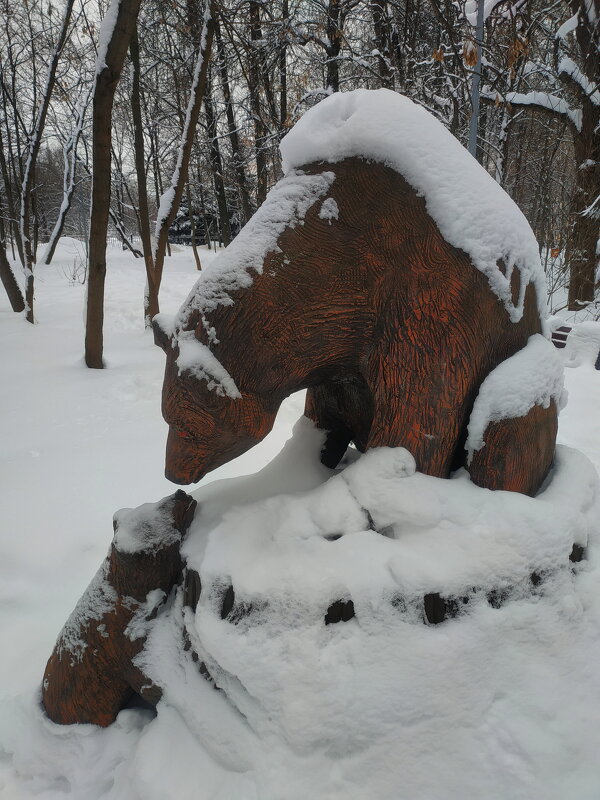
184,461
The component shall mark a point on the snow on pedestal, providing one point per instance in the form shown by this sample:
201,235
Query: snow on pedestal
379,702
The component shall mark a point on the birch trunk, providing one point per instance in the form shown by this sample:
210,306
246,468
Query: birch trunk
170,200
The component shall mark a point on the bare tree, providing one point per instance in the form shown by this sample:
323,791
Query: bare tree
33,148
115,34
171,198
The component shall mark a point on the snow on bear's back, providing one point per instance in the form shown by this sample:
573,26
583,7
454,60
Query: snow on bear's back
471,210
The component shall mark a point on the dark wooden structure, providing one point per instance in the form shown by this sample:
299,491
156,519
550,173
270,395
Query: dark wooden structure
391,329
560,336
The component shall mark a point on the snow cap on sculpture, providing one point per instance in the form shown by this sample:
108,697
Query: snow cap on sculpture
471,210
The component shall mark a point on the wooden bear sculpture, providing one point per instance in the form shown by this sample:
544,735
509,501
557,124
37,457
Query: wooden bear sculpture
91,673
344,284
391,277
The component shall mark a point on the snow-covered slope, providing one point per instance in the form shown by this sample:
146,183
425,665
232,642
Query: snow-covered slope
498,702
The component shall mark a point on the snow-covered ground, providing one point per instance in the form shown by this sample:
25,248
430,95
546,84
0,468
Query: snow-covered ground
501,703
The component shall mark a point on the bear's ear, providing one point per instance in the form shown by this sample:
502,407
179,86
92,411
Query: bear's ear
162,325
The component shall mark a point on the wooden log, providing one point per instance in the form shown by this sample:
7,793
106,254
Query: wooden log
90,675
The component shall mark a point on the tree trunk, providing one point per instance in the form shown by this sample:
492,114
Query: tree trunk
107,79
217,167
70,173
334,38
260,131
10,204
172,198
582,253
9,281
238,161
283,104
33,149
192,215
581,256
140,169
382,39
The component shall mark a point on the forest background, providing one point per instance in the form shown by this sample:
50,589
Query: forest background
155,121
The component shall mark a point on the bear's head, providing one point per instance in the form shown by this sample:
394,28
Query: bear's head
211,421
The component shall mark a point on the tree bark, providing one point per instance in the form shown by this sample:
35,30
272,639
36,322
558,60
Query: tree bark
382,41
283,101
33,149
217,167
254,79
10,204
172,198
334,38
9,281
234,140
582,255
140,169
107,79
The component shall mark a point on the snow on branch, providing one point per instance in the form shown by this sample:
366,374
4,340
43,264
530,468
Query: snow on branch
488,8
568,67
567,27
107,28
543,100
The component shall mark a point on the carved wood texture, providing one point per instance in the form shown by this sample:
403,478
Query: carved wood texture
92,683
391,329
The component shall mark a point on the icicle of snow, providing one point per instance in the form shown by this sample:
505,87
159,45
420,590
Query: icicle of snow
471,210
533,376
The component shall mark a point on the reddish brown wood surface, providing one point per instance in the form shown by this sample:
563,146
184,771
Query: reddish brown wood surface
92,681
391,329
512,443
